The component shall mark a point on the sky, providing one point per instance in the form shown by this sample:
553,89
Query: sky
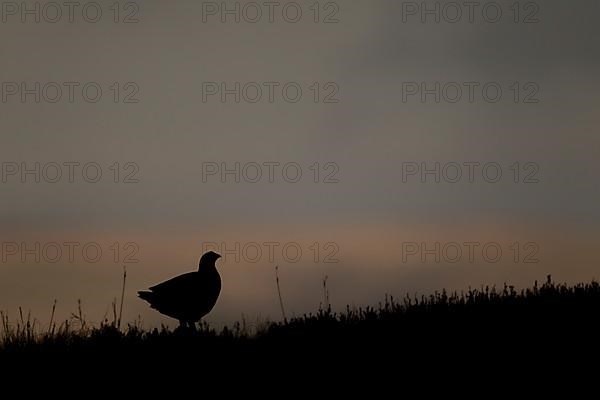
392,147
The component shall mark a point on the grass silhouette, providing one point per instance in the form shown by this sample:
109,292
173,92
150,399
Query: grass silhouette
538,320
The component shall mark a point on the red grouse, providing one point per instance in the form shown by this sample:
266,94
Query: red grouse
187,297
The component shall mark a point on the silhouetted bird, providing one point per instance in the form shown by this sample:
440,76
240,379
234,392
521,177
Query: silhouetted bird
187,297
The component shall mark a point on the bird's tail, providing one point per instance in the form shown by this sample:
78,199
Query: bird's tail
145,295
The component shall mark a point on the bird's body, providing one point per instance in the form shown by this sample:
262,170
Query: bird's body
187,297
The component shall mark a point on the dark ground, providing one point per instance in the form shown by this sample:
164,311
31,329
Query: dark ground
547,329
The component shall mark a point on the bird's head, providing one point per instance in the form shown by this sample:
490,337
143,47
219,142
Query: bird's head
209,259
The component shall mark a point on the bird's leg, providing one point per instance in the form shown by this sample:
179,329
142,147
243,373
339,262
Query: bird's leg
187,326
